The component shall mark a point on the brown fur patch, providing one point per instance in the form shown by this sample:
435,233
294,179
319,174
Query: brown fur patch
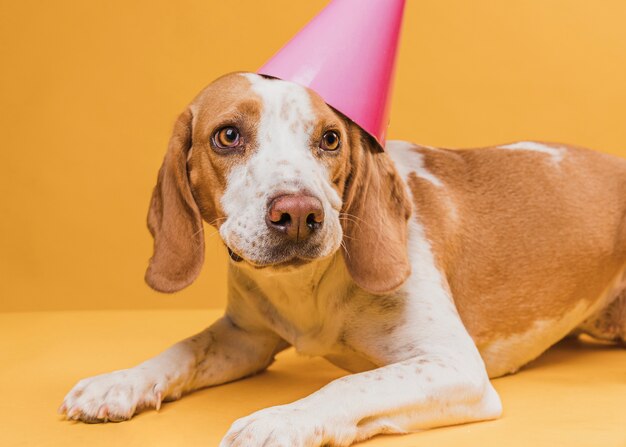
528,239
377,209
192,178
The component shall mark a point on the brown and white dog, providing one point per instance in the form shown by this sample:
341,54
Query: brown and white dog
423,271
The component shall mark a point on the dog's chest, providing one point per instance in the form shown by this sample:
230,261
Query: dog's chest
319,326
311,320
321,312
309,308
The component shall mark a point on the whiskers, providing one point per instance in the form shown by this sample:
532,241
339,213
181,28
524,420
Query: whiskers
356,221
215,230
347,217
345,247
219,219
213,233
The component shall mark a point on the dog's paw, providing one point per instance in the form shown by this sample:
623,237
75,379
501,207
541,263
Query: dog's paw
287,426
115,396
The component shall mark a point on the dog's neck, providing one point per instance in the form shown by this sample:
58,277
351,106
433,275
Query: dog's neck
285,280
298,295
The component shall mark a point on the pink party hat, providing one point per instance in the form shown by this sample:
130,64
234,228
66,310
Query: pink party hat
347,54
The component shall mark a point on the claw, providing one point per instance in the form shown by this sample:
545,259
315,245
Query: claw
73,413
159,399
102,412
62,408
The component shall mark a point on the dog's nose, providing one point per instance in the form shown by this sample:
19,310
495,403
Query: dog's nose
296,215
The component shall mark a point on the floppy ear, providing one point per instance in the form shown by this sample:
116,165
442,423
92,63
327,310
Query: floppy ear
377,209
174,218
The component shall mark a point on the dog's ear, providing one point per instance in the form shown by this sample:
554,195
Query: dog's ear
376,210
174,218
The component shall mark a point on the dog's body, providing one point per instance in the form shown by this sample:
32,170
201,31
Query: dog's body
455,266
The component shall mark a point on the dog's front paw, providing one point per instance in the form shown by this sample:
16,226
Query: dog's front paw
288,426
116,396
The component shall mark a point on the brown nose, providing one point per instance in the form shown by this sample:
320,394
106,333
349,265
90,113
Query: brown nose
296,215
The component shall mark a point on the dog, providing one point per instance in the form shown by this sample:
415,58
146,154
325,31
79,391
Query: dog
424,272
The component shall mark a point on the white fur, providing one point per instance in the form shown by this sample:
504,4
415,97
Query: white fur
556,153
282,164
408,160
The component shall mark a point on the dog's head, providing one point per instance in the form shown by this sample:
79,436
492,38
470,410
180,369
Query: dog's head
285,179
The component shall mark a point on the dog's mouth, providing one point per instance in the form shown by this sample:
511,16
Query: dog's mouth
287,261
234,256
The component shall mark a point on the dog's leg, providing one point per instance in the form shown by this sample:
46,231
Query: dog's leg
423,392
608,323
445,384
221,353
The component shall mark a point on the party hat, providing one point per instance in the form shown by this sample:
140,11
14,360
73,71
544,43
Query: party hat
347,54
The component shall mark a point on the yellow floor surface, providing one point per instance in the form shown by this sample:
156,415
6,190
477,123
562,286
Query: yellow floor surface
575,395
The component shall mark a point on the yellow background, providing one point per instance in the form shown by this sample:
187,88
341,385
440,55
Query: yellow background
90,90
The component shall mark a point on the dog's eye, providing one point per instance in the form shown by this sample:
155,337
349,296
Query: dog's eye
330,141
227,137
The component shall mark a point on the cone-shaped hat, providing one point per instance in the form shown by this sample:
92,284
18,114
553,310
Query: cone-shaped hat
347,54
